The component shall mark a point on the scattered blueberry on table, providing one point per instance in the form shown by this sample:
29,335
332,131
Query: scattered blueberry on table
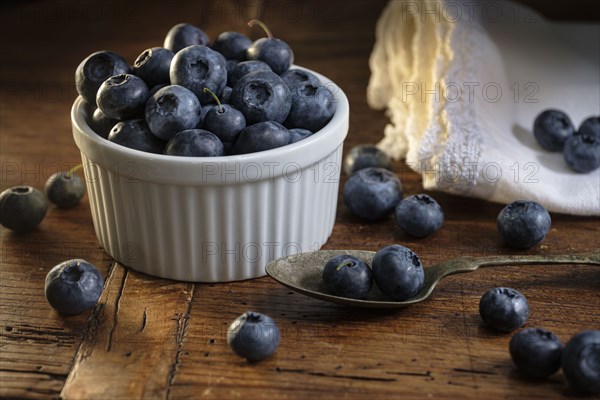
64,189
398,272
365,156
523,224
504,309
581,361
536,352
22,208
253,336
419,215
347,276
372,193
73,286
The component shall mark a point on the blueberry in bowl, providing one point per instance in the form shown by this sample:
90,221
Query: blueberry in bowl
272,51
260,137
197,67
153,66
224,121
243,68
94,70
183,35
195,143
122,97
262,96
232,45
171,110
136,134
504,309
312,106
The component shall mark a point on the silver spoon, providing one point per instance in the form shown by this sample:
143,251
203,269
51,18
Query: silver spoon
302,273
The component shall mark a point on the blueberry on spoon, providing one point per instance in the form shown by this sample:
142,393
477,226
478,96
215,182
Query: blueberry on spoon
274,52
224,120
347,276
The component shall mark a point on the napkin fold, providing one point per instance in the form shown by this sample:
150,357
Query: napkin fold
462,82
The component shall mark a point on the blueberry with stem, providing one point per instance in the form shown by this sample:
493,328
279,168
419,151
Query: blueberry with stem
274,52
65,189
224,120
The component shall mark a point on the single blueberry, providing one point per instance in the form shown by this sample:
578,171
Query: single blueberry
232,45
398,272
419,215
312,107
552,128
504,309
347,276
171,110
195,143
581,361
523,224
73,286
364,156
590,127
244,68
582,152
295,77
136,135
274,52
197,67
261,136
230,65
94,70
299,134
372,193
122,97
64,189
184,35
153,66
253,336
224,121
22,208
536,352
262,96
101,124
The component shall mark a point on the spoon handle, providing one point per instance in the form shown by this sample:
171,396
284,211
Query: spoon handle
468,264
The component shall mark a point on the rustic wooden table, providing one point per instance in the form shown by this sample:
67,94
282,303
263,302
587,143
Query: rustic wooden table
154,338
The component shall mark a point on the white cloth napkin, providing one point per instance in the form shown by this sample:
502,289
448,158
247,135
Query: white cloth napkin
462,82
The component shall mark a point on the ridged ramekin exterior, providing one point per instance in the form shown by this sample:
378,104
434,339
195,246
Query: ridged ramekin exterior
203,228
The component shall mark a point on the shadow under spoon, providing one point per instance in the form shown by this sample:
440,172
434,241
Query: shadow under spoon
302,273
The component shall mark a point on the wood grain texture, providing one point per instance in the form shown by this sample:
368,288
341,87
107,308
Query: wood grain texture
154,338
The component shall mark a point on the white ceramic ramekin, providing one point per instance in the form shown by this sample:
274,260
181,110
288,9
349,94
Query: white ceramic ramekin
212,219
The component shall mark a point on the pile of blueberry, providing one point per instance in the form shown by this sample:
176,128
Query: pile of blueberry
200,99
555,132
22,208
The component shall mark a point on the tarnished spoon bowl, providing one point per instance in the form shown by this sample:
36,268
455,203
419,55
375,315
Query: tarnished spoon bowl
302,273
